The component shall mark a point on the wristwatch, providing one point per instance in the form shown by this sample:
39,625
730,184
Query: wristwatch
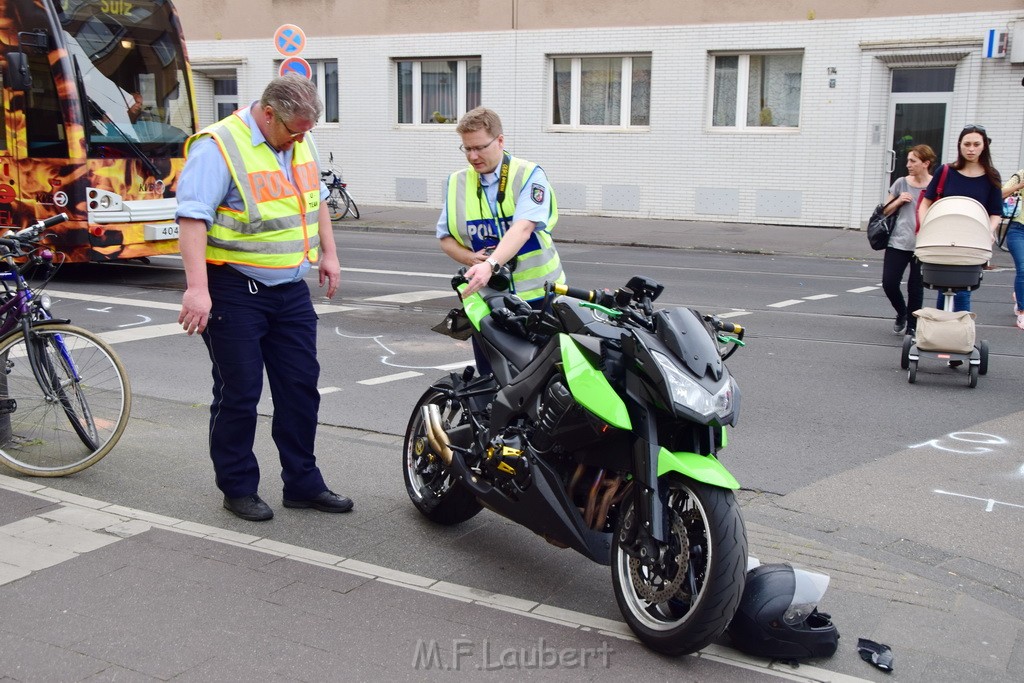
495,266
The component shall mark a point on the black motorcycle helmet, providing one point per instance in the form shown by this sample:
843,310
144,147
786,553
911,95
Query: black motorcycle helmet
778,618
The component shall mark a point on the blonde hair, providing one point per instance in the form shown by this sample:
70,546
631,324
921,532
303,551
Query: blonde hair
480,118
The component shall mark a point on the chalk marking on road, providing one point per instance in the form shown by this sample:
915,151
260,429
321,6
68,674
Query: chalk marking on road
819,297
990,502
733,314
861,290
124,522
967,437
145,319
328,390
412,297
787,302
390,378
99,310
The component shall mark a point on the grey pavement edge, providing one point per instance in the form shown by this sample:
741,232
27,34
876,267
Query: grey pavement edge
94,591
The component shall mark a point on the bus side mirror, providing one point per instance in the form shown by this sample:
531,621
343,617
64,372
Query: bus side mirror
18,76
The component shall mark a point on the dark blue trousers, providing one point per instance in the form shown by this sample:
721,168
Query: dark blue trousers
253,328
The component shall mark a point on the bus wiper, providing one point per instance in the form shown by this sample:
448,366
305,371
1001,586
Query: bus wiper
102,115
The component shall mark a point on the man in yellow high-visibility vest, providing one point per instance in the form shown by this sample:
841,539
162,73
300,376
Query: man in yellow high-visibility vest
252,222
497,209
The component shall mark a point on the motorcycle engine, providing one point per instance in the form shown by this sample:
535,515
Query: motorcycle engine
505,463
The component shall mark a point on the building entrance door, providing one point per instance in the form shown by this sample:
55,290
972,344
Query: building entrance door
919,106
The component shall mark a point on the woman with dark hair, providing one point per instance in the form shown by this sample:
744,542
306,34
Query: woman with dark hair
900,252
971,176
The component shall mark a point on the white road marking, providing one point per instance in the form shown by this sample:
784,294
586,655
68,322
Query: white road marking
140,333
328,390
990,503
787,302
390,378
113,300
861,290
457,366
374,271
818,297
145,319
411,297
733,314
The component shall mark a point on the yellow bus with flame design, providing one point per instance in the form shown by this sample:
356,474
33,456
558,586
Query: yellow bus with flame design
98,102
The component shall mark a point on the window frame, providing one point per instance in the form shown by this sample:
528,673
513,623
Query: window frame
576,95
742,85
461,88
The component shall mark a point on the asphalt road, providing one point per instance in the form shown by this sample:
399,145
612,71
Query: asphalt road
832,443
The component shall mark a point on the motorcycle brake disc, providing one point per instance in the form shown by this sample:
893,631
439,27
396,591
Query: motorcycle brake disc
645,586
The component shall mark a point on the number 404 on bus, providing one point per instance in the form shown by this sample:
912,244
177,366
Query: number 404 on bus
98,103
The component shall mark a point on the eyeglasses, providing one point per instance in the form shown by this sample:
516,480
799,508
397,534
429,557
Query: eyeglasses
291,133
478,148
974,128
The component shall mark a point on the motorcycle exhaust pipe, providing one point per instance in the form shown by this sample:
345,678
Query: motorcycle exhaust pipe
436,436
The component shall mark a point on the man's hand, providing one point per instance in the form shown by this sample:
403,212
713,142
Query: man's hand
330,272
478,276
195,310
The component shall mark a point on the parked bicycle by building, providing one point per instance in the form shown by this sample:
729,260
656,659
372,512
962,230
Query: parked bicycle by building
339,203
64,393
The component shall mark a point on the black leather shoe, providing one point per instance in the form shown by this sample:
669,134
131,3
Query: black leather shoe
251,508
328,501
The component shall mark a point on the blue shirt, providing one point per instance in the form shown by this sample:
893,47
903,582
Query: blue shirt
958,185
526,207
206,183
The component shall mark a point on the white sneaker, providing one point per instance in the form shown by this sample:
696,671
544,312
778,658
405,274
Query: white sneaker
1020,321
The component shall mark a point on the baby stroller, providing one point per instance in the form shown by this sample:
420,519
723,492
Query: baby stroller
953,245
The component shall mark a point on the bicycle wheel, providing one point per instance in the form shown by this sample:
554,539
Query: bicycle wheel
79,416
336,205
350,205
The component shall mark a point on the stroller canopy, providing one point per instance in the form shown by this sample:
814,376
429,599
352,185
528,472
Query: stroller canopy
955,232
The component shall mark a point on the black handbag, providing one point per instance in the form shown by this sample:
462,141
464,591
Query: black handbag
880,226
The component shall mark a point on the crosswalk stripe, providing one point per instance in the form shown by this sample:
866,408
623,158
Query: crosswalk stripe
787,302
390,378
412,297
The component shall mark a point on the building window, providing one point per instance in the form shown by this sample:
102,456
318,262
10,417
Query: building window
225,96
756,90
437,90
608,91
325,77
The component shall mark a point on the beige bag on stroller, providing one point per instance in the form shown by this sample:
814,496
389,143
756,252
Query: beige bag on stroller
945,330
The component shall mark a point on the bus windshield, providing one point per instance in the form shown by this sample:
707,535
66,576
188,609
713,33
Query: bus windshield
130,62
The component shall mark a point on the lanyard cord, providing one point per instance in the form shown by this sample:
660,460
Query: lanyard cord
502,184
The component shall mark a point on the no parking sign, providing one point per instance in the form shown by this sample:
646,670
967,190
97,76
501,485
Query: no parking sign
296,65
290,40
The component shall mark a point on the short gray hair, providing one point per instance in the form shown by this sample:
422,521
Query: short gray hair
293,96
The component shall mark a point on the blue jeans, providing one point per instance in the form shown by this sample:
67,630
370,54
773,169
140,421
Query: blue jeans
254,327
961,301
1015,243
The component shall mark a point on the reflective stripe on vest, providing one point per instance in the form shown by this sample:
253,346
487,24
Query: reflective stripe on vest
278,224
538,260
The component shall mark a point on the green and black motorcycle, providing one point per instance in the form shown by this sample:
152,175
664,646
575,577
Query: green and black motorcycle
597,429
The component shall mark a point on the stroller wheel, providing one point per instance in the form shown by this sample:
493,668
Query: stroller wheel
983,352
972,378
908,341
912,372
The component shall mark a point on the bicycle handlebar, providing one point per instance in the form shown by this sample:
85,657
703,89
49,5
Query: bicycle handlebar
16,241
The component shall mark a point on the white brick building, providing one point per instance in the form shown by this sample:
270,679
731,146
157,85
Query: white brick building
792,121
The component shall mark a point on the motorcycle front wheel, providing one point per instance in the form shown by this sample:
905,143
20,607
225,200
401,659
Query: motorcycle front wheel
683,603
430,485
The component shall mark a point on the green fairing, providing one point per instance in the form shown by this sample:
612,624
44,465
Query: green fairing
475,306
703,468
590,387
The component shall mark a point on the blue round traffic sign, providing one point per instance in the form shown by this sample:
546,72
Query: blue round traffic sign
289,40
296,65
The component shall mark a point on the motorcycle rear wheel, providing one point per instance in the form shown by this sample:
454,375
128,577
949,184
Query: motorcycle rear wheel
715,542
431,486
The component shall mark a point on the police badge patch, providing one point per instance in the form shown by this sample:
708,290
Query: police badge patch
537,193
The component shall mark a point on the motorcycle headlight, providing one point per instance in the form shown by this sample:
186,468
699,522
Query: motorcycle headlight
688,393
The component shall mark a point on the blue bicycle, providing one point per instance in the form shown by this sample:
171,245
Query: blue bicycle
64,394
